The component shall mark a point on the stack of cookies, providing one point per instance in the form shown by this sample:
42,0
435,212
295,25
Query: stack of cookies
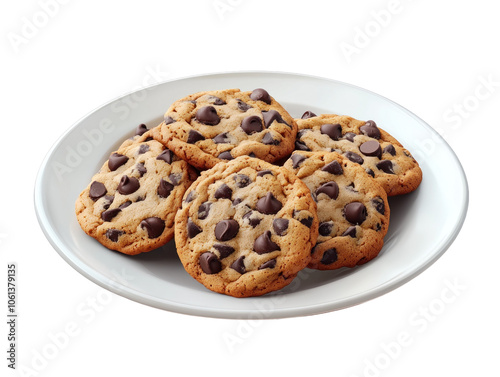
251,195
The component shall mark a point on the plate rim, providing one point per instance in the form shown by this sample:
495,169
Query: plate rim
296,311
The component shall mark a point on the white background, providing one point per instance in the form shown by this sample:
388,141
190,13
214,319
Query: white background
430,57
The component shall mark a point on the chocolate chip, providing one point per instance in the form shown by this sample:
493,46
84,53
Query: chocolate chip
242,106
223,192
116,160
237,201
308,114
261,95
351,187
190,197
242,180
238,265
354,157
192,229
128,185
269,264
113,234
332,130
370,172
109,199
370,129
307,221
333,168
390,149
143,149
221,138
226,230
203,210
271,116
194,136
351,232
251,124
269,205
141,169
225,155
252,221
110,213
379,205
224,250
263,244
268,139
175,178
297,159
154,226
216,101
325,228
385,166
209,263
350,136
280,226
329,256
125,204
251,154
167,155
355,213
371,148
207,115
168,120
164,189
301,146
264,172
141,128
330,188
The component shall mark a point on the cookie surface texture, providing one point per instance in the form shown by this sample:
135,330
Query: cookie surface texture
209,127
380,154
130,204
246,227
353,211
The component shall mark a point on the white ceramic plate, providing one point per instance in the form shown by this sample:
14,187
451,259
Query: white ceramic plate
423,223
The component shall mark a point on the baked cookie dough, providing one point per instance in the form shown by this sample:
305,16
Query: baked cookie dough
353,211
209,127
130,204
364,143
246,227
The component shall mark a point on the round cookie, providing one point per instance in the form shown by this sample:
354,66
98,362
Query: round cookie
246,227
209,127
130,204
353,211
380,154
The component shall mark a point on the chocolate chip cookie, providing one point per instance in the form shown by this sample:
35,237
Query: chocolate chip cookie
246,227
364,143
209,127
353,211
130,204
